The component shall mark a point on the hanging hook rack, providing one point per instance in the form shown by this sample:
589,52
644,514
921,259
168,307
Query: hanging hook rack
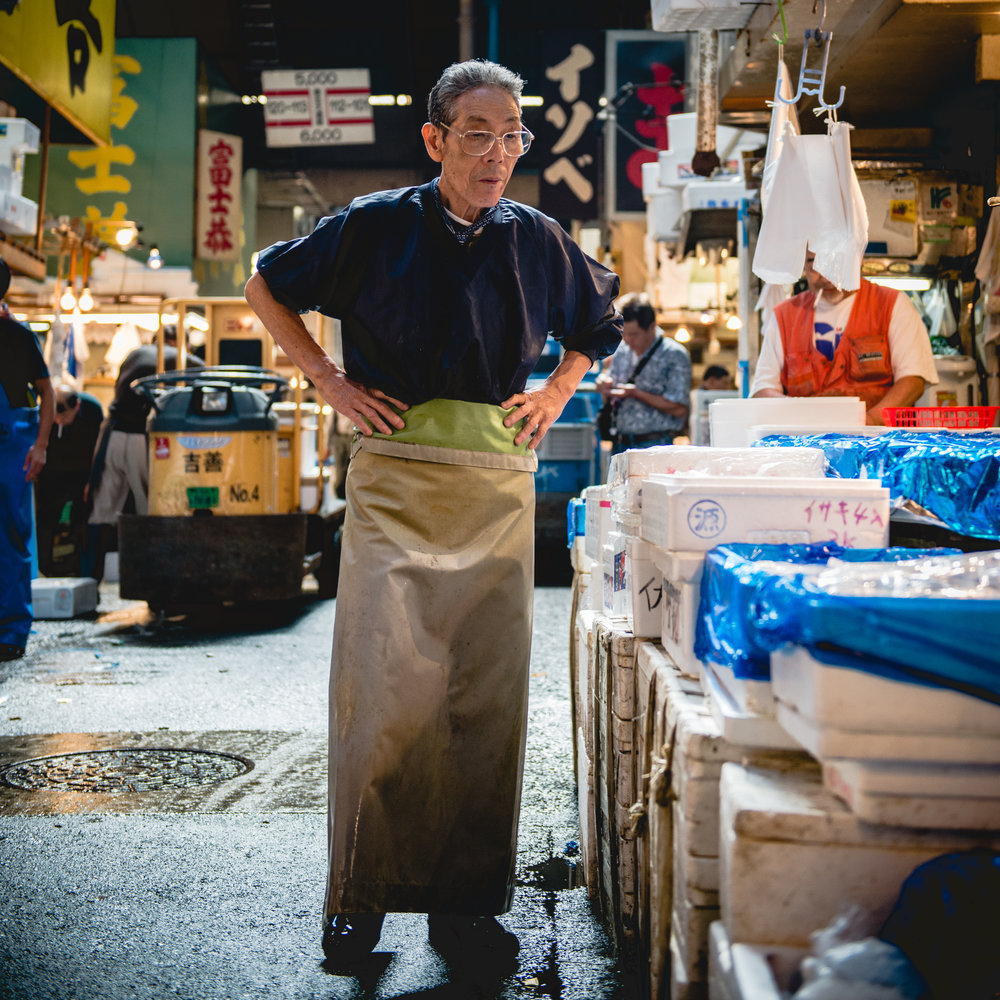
813,81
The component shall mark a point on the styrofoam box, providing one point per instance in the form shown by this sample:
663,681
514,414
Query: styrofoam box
645,588
614,566
731,419
689,948
19,134
825,742
696,876
634,466
749,696
703,193
585,666
586,810
793,856
680,575
598,520
902,793
63,596
18,214
749,972
854,699
749,728
696,513
759,431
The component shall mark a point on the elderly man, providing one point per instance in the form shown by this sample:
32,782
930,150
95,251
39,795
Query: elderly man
825,341
26,412
61,489
445,293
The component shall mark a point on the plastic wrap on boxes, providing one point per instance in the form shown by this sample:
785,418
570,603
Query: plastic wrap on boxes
629,469
576,520
953,476
933,621
732,630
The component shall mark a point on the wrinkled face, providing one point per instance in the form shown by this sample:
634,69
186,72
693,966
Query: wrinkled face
470,184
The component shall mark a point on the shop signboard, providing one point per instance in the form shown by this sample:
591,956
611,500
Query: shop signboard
317,107
220,208
569,134
146,173
64,51
645,83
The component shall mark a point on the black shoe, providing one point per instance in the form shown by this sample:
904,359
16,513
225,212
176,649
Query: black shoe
468,940
349,937
10,652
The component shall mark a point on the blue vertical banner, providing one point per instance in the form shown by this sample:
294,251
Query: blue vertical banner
569,134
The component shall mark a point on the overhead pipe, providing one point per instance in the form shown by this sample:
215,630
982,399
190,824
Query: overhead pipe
706,159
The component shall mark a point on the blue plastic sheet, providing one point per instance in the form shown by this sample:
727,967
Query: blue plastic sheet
576,519
954,476
747,606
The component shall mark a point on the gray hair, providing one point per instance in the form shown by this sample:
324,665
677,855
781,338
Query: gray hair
461,77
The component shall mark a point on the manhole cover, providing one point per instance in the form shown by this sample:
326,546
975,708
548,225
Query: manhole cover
131,770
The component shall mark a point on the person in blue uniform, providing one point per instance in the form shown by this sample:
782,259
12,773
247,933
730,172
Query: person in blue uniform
445,292
26,413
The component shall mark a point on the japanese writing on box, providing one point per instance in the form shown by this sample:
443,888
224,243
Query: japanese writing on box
843,518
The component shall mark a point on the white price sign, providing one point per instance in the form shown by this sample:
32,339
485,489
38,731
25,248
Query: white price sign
317,107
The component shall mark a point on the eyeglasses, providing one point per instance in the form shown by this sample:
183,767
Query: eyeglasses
480,143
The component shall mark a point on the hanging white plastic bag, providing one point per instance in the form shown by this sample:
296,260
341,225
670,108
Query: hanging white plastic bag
815,201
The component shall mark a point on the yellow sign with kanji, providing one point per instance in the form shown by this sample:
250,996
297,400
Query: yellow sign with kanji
63,49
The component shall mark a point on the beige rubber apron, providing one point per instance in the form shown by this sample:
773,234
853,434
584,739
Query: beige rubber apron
429,679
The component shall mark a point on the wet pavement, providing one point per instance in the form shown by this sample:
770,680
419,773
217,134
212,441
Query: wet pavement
172,843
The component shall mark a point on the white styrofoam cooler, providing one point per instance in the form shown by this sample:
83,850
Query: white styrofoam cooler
645,585
793,856
632,468
680,574
597,519
840,712
855,699
731,420
907,793
696,513
63,596
742,725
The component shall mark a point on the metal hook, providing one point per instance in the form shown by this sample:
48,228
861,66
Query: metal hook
813,81
822,18
784,26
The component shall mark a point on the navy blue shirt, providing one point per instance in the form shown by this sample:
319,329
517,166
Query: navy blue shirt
21,363
424,317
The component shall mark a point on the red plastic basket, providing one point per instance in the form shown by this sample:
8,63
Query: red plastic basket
955,417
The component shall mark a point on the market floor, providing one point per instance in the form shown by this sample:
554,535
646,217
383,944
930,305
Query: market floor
212,892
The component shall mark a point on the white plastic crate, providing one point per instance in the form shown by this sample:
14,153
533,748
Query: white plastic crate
63,596
793,856
695,513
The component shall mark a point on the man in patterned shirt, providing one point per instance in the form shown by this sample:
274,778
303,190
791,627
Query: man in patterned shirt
650,403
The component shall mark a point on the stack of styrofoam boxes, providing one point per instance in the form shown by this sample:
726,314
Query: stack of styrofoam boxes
686,515
583,565
897,753
598,527
18,215
582,668
640,596
681,804
614,790
793,857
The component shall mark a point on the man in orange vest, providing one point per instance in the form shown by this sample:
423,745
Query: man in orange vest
827,341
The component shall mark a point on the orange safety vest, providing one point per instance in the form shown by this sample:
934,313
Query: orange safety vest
861,364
